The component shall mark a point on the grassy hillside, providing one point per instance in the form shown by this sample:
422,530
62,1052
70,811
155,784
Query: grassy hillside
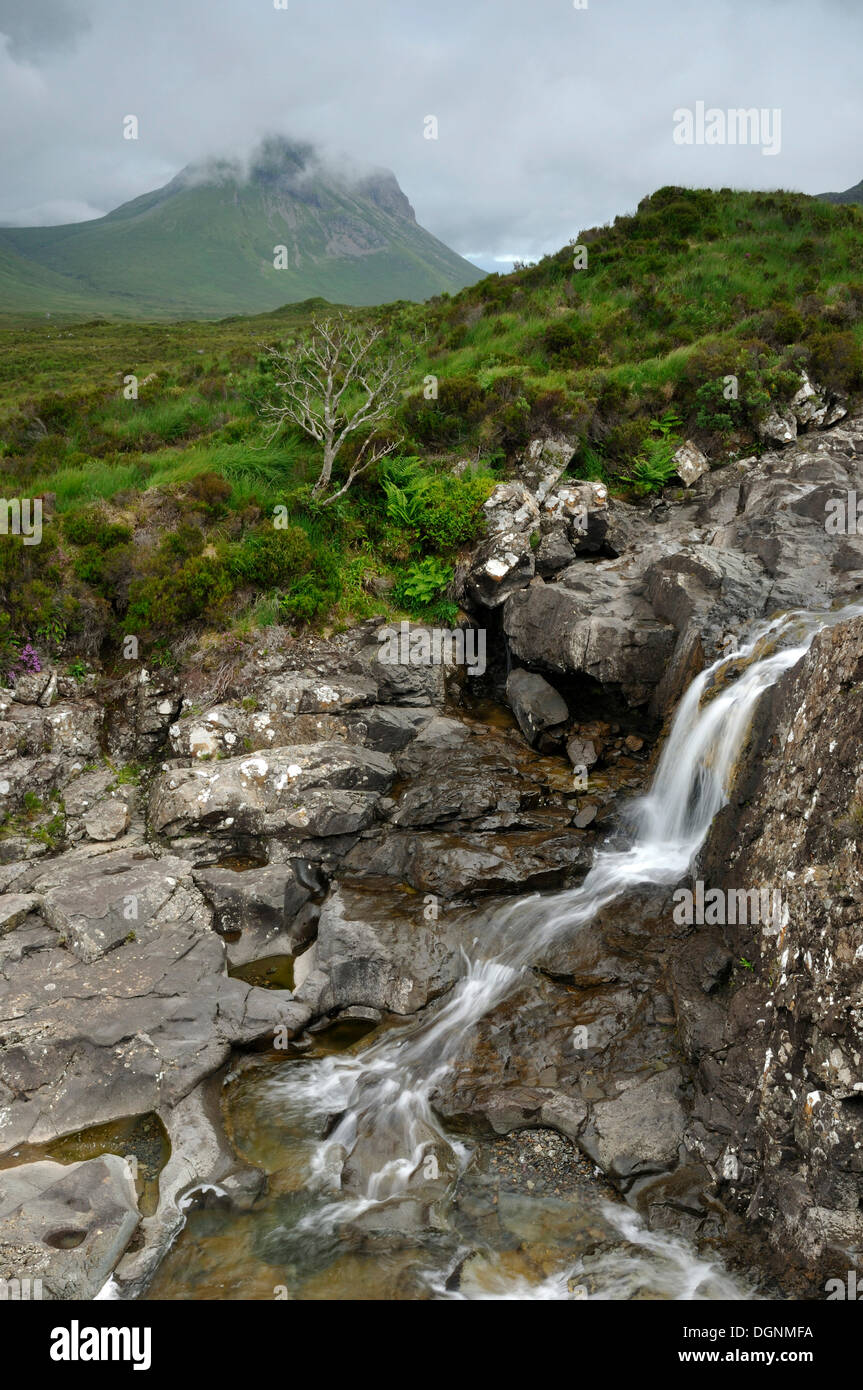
162,518
198,249
850,195
26,288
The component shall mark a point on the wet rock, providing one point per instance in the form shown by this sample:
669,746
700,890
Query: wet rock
258,904
381,951
535,704
582,752
467,865
641,1130
133,1031
776,1113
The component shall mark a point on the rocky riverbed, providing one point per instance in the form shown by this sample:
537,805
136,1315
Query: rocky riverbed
307,841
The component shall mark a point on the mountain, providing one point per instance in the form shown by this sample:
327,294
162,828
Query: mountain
204,245
851,195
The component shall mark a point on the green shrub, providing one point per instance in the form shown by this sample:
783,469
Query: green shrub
211,492
313,595
654,466
270,558
442,511
421,584
90,527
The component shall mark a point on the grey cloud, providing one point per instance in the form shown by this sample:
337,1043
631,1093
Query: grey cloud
36,28
551,119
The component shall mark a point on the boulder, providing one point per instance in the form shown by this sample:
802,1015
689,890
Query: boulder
34,687
573,506
543,463
593,624
408,680
382,950
511,509
641,1130
778,426
690,463
535,704
554,552
319,789
258,905
501,565
107,820
809,404
469,865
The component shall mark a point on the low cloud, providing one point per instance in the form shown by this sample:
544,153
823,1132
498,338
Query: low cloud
550,119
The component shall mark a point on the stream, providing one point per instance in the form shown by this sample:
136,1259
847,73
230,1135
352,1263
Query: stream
371,1197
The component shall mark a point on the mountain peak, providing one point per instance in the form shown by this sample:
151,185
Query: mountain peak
230,235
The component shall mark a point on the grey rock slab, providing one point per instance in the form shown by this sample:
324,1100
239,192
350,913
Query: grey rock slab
14,908
87,1042
66,1225
258,904
96,902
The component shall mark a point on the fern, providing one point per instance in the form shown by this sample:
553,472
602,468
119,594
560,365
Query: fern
652,468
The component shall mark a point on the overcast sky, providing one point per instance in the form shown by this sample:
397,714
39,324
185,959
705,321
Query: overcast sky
551,118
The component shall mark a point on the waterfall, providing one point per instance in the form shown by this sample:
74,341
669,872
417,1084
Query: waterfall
387,1088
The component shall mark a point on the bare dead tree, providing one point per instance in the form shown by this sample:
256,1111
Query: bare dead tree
340,382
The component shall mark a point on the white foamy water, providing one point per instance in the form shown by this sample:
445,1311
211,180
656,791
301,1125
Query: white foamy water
665,1266
386,1089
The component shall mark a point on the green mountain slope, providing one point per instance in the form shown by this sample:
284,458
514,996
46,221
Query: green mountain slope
162,505
204,246
851,195
27,287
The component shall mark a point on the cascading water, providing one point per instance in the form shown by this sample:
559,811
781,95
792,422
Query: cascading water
389,1086
383,1094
